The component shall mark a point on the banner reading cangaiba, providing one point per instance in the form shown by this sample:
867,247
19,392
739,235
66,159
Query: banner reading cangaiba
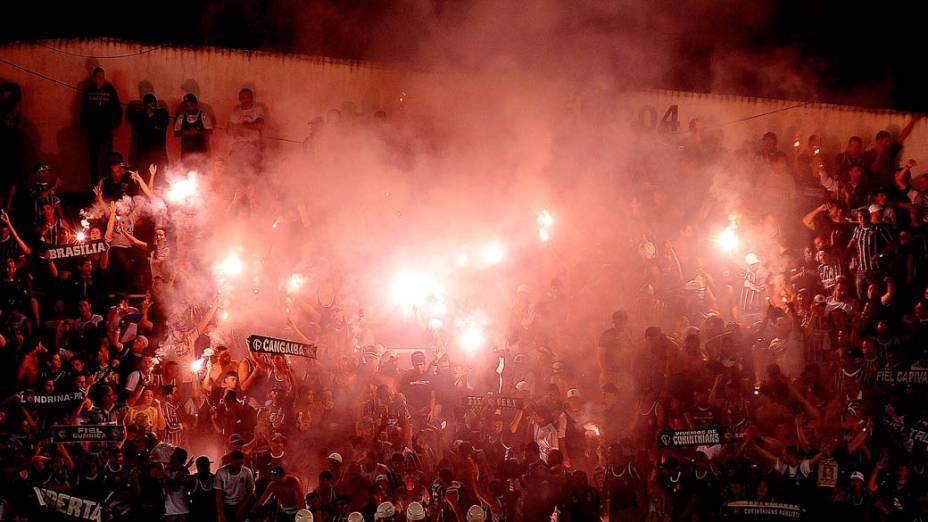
83,249
703,437
745,509
79,508
498,402
261,344
910,376
107,433
41,399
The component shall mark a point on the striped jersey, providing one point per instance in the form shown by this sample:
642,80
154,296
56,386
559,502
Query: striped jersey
753,291
870,241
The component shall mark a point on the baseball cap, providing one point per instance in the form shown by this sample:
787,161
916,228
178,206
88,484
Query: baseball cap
203,460
303,515
573,393
874,208
476,514
336,457
235,439
857,475
142,341
819,299
209,352
354,516
415,511
385,510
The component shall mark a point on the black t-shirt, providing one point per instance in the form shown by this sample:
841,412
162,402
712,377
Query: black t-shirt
582,503
621,483
418,390
115,190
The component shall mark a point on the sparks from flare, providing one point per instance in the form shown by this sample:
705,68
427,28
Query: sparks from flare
413,289
230,267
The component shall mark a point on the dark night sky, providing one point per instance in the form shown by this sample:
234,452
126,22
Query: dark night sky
856,55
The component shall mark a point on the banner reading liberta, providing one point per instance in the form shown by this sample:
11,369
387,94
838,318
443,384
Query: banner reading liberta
79,508
273,346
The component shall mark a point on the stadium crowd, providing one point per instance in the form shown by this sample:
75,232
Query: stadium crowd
787,382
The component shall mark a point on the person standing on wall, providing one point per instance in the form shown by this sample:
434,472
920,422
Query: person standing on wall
245,126
193,127
100,114
150,125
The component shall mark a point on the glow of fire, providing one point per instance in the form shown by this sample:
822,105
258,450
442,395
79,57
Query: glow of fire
196,365
413,289
224,316
462,259
81,236
543,234
492,254
296,282
183,189
544,219
231,266
471,338
727,240
436,323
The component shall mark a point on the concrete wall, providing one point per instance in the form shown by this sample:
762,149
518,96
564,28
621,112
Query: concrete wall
297,88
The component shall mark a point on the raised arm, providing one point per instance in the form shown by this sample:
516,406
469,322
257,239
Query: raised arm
142,185
22,245
904,133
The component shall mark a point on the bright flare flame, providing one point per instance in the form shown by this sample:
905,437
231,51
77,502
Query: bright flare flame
436,323
231,266
183,189
543,234
224,316
471,338
81,235
196,366
544,219
296,282
727,240
492,254
462,259
412,289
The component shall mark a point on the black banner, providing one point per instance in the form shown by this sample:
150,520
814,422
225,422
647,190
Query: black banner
910,376
63,503
915,432
41,399
273,346
751,510
496,402
703,437
111,433
82,249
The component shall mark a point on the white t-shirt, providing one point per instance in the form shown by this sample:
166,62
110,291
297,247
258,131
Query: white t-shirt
804,468
234,487
176,501
249,115
547,436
